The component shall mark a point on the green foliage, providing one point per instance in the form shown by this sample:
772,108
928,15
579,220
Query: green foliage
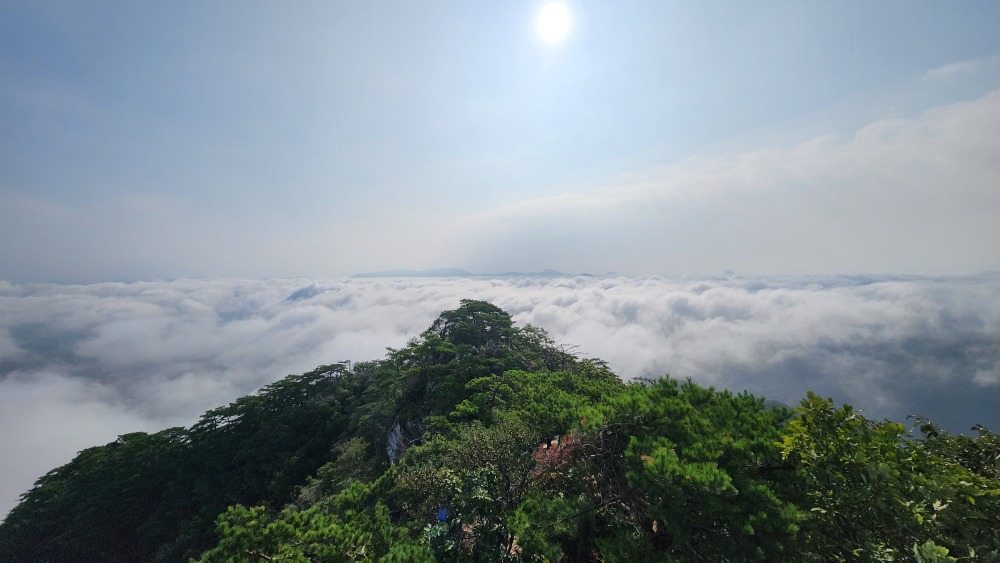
854,473
479,476
474,323
532,453
550,402
929,552
687,470
156,497
98,507
873,492
311,535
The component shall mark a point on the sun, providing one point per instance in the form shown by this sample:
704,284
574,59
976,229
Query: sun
553,23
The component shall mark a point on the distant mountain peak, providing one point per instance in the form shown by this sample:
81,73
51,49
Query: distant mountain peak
459,273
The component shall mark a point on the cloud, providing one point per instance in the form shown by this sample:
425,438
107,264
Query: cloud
912,194
950,70
961,69
81,364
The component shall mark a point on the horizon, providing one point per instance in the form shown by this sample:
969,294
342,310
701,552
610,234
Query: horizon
454,272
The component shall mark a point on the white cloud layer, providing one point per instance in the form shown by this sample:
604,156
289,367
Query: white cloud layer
913,194
81,364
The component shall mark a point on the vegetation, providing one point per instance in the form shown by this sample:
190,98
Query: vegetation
482,441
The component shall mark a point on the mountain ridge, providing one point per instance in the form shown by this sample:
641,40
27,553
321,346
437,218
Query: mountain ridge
462,273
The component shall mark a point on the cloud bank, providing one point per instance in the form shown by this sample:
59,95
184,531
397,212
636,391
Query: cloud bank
81,364
904,194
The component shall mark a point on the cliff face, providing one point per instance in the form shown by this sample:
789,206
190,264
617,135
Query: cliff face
399,438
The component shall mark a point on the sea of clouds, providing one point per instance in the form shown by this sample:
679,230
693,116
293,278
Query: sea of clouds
82,364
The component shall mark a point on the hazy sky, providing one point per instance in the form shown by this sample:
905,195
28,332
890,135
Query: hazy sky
143,140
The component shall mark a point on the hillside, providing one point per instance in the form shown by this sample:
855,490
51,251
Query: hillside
483,441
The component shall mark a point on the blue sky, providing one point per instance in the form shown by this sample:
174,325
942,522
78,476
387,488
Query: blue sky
255,139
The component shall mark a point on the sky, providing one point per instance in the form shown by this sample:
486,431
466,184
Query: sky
252,139
799,195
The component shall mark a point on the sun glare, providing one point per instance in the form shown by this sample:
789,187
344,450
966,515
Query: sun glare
553,23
